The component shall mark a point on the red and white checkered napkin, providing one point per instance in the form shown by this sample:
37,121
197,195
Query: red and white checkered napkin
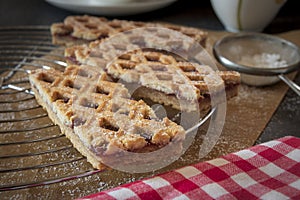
266,171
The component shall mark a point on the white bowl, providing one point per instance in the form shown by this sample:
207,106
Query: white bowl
111,8
246,15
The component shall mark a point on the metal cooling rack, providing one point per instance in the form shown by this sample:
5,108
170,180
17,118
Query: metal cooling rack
27,137
33,151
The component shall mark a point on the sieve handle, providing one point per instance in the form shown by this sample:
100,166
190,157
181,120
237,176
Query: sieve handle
290,83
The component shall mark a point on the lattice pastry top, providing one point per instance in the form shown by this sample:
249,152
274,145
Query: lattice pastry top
83,97
91,28
157,70
169,75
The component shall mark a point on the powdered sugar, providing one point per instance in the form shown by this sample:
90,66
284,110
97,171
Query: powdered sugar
264,60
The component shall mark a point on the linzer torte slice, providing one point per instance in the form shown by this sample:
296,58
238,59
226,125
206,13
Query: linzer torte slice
162,76
164,79
84,29
100,118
